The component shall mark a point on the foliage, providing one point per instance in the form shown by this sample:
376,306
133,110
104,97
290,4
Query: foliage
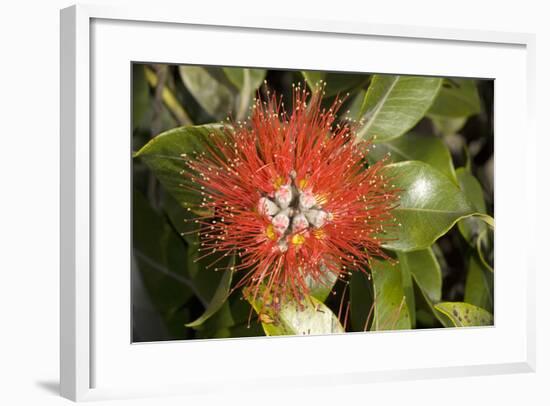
436,135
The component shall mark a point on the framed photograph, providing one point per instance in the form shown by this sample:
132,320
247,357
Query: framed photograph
260,214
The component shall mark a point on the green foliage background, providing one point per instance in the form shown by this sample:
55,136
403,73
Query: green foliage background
439,132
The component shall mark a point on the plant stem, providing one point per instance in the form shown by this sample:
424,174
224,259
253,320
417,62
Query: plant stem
169,99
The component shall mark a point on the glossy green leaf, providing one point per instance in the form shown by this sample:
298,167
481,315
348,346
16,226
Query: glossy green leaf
425,270
165,156
464,314
416,147
308,318
429,206
362,300
336,83
479,285
390,304
214,96
471,227
457,98
394,104
219,298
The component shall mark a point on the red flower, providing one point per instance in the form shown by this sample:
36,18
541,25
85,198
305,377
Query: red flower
292,196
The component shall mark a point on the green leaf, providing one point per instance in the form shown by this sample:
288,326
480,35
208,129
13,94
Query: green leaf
425,270
448,125
485,248
308,318
426,273
247,81
394,104
239,77
216,326
408,288
355,104
361,299
219,298
464,314
471,227
479,285
430,204
214,96
206,271
390,307
320,289
416,147
165,156
160,257
336,83
457,98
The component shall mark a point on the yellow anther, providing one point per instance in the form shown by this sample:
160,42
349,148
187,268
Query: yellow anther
279,181
298,239
270,232
319,234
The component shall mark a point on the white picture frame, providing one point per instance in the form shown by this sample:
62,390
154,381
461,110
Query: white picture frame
81,315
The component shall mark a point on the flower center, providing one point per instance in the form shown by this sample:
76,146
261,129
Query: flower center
293,211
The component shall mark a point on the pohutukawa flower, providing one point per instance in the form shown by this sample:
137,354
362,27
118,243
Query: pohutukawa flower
291,195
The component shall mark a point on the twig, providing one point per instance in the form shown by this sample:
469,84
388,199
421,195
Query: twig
169,99
371,310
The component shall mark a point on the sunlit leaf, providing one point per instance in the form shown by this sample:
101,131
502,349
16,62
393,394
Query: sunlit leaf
394,104
307,318
213,95
416,147
429,206
390,306
464,314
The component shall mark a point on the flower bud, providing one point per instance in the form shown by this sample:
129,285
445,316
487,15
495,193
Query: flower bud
266,207
317,218
280,223
283,196
299,223
307,200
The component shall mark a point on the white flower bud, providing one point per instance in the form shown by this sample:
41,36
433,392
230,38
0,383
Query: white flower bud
299,223
307,200
266,207
317,218
283,196
280,223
